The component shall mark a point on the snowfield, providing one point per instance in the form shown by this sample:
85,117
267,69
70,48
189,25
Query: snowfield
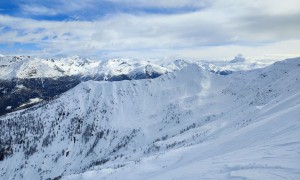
190,123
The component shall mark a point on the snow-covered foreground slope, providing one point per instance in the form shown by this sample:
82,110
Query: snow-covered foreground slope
267,149
187,124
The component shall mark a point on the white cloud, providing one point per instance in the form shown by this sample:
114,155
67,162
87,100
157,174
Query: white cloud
38,10
163,3
224,28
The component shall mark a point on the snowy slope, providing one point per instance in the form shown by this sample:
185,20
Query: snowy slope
187,124
252,141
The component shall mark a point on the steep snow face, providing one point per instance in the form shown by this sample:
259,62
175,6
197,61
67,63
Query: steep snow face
186,124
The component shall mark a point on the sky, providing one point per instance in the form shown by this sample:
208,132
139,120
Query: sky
203,29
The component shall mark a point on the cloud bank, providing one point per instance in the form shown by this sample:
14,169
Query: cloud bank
196,29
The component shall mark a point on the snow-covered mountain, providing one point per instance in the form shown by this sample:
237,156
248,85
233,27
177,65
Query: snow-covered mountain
190,123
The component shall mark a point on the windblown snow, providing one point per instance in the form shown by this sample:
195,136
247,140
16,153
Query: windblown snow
187,124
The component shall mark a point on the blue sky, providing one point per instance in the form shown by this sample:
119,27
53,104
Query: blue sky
205,29
84,10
